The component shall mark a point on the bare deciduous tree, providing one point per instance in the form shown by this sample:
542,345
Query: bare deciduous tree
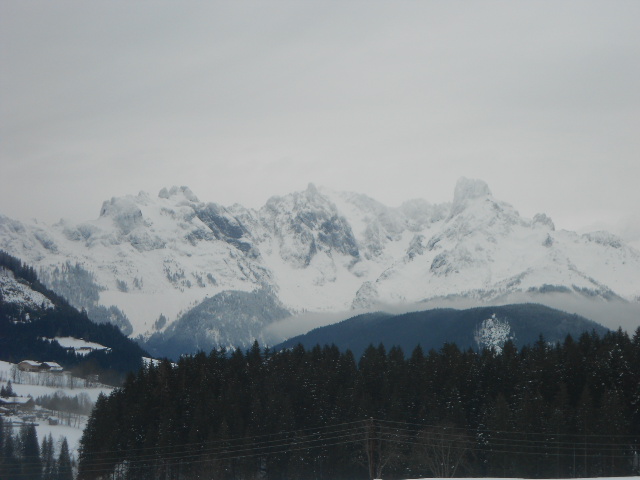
382,447
443,449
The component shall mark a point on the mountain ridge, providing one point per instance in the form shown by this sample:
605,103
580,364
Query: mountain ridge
145,258
476,328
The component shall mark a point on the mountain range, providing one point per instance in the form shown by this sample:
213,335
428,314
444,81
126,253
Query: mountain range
173,269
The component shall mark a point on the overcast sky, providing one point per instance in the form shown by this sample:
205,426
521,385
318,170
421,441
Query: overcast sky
244,100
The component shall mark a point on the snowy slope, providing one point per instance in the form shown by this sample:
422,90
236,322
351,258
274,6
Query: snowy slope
44,384
15,292
156,258
483,249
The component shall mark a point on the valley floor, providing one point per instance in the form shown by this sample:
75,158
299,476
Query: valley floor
59,424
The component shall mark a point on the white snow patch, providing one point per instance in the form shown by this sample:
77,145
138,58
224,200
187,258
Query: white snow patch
18,293
80,346
492,333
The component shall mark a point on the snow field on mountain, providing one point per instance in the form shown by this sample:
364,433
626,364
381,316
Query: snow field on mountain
616,264
333,285
80,346
18,293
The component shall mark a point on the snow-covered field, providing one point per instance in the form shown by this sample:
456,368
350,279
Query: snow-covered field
80,346
41,384
72,433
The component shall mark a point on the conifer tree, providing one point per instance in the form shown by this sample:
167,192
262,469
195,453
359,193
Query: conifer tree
613,423
64,470
12,465
7,391
585,427
496,437
48,461
31,463
557,425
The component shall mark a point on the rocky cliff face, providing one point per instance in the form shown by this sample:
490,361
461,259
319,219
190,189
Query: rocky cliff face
148,258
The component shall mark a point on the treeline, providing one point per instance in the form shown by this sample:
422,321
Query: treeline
59,402
564,410
22,458
18,268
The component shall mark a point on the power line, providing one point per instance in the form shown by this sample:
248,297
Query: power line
172,447
511,432
263,446
410,435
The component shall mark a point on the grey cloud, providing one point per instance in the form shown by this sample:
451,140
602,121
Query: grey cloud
396,101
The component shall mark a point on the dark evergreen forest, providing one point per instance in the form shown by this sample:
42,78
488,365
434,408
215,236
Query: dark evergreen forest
571,409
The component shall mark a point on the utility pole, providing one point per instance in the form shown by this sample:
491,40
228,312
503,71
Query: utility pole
371,448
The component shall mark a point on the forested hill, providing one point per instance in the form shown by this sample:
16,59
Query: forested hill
30,314
477,328
572,409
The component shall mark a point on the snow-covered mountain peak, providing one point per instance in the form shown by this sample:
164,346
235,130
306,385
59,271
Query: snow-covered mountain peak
317,250
604,238
143,212
476,213
305,224
541,219
312,189
124,212
309,200
466,191
184,192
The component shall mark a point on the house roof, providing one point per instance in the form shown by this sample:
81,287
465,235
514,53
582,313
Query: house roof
15,400
33,363
47,365
52,365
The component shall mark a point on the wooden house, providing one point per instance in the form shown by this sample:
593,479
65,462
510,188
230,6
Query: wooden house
51,367
29,366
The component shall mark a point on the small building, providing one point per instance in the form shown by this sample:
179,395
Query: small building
33,366
51,367
29,366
